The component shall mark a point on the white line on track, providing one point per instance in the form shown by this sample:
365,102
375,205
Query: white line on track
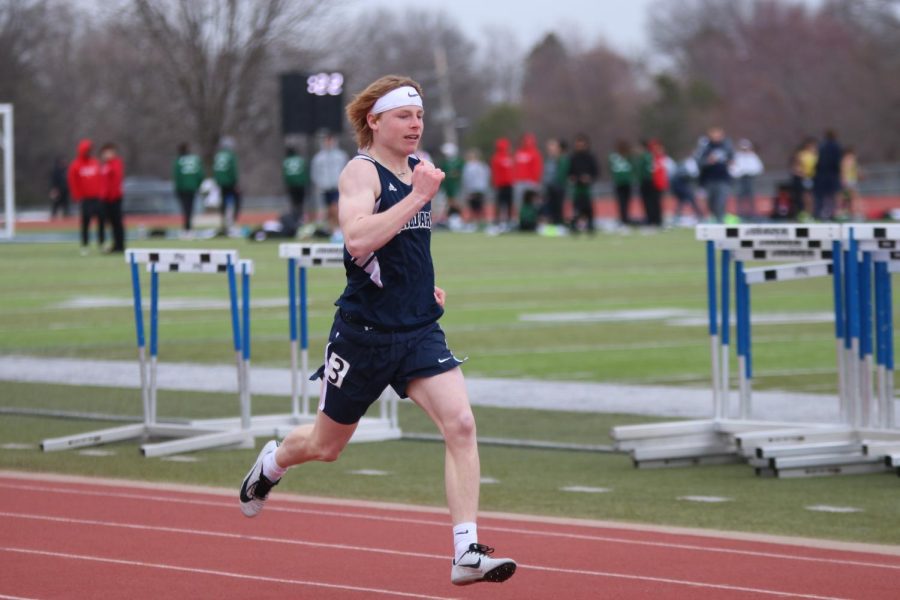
345,547
135,563
443,523
5,597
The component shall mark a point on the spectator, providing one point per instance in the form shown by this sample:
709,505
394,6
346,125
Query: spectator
744,170
850,185
527,169
556,173
827,177
326,168
659,183
86,187
797,187
807,157
188,175
225,172
682,186
502,180
113,173
621,169
59,189
296,178
583,171
713,158
452,166
476,181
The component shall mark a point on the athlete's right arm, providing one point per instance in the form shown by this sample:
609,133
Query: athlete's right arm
365,231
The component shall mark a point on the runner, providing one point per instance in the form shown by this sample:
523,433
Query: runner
385,331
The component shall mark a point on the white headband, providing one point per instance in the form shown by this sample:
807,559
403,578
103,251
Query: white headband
402,96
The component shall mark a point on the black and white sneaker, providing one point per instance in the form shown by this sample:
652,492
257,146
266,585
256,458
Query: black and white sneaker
478,565
256,486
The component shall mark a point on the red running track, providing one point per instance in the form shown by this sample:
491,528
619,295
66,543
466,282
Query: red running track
80,538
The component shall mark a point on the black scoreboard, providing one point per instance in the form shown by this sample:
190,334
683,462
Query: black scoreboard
311,102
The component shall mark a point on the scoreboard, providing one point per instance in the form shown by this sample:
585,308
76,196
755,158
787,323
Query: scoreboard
311,102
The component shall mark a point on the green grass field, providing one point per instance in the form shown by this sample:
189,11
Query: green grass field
54,302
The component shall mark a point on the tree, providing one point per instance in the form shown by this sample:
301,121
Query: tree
783,70
594,91
214,55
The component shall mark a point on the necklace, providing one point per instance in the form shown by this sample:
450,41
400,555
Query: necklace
397,173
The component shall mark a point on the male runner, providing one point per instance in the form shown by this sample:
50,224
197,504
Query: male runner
385,331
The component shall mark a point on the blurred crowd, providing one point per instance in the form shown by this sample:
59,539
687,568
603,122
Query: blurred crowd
521,186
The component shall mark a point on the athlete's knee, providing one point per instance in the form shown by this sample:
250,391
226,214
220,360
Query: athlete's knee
328,451
461,426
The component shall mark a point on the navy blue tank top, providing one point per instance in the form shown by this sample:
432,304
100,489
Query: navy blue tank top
393,287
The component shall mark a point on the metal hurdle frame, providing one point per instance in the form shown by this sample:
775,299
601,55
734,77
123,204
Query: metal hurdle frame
194,435
858,445
301,257
716,440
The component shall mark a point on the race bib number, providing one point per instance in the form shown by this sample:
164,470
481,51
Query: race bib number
336,370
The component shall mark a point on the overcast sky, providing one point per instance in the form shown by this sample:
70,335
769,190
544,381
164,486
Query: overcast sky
620,22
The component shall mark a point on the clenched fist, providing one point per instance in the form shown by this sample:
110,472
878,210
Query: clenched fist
426,181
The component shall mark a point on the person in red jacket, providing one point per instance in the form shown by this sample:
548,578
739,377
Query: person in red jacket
502,179
113,172
86,189
528,167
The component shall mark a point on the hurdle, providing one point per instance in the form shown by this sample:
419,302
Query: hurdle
861,444
193,435
301,257
716,440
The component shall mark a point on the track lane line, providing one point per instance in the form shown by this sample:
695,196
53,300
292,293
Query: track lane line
346,547
495,528
198,571
793,542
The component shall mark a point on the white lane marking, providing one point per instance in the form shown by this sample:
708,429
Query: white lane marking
5,597
585,489
833,509
709,499
718,586
97,452
136,563
498,528
16,446
265,539
370,472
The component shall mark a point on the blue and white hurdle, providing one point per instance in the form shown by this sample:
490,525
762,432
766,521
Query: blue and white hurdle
719,439
300,258
869,434
195,435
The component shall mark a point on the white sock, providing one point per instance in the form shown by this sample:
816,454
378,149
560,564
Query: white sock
272,469
464,534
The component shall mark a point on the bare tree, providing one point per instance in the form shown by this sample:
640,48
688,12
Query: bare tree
214,54
593,91
784,70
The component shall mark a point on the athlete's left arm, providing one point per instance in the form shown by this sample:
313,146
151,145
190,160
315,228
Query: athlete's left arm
440,296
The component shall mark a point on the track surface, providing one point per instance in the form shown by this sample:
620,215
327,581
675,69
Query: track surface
77,538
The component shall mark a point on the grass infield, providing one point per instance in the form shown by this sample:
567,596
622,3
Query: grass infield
54,302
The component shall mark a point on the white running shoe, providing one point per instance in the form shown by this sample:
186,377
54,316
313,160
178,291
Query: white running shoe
477,565
256,486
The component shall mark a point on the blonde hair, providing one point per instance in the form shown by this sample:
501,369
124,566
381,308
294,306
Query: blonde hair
361,105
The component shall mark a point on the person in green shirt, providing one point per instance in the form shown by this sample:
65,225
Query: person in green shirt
555,178
225,172
452,166
621,167
643,170
296,179
187,173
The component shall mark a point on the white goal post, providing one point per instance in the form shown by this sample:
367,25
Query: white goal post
8,179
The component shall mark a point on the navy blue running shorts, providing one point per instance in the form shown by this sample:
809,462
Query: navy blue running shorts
360,362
